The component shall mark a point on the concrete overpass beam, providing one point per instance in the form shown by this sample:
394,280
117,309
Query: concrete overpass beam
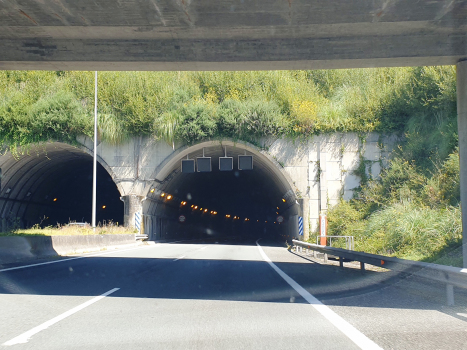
462,130
133,204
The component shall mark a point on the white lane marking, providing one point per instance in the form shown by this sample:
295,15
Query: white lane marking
350,331
63,260
23,338
183,256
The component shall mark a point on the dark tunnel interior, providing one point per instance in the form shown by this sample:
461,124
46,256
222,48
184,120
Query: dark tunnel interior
70,199
54,186
237,203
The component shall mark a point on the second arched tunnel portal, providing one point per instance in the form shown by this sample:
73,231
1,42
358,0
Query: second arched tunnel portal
52,184
238,203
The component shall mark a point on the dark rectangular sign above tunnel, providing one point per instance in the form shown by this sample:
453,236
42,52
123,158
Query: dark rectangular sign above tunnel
245,162
188,166
204,164
225,163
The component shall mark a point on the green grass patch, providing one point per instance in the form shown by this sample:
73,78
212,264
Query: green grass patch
70,230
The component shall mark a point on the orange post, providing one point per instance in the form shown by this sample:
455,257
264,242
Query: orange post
323,228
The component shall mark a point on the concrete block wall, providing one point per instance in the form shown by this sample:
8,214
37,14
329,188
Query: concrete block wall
323,167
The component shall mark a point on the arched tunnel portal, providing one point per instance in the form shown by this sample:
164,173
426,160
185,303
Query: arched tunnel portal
236,203
52,184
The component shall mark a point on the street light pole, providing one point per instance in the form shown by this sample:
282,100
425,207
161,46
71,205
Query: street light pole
94,170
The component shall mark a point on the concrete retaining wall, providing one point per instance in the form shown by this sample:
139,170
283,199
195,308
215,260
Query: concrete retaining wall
14,249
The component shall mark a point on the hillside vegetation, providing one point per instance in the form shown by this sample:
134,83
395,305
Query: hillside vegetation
411,211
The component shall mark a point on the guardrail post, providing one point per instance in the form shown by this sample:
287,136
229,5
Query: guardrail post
341,261
362,266
450,294
314,254
325,258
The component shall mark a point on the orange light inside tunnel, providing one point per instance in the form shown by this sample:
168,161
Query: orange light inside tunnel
169,197
205,210
283,200
183,203
215,213
227,216
152,190
195,207
103,207
162,194
55,199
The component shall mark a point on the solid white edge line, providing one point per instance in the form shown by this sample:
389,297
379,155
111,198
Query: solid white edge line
179,258
68,259
23,338
350,331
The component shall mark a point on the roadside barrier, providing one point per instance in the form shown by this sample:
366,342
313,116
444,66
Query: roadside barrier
451,276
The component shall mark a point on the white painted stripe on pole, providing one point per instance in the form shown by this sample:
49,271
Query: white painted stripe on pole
68,259
350,331
138,221
23,338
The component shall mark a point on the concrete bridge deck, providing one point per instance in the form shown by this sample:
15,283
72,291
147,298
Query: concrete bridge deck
230,34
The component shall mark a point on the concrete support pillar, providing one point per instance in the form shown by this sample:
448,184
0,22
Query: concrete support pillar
132,205
462,130
305,214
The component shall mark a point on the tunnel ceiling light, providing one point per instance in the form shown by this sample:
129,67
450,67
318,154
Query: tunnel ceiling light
284,200
192,205
200,208
215,213
184,203
169,197
277,212
265,221
195,207
205,210
277,208
152,190
55,199
227,216
162,194
104,206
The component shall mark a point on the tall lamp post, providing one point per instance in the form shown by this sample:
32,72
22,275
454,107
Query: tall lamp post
94,169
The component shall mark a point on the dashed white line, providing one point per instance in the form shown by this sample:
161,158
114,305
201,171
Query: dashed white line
350,331
184,256
23,338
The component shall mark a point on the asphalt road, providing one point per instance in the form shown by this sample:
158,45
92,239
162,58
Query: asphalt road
221,296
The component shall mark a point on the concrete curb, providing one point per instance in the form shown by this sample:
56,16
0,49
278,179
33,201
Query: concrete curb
14,249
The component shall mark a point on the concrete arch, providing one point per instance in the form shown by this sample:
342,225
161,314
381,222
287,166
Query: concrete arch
262,158
167,178
29,180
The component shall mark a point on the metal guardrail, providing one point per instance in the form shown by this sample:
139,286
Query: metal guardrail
141,237
451,276
349,241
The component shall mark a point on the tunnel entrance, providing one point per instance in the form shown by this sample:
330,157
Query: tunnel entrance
53,185
244,204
